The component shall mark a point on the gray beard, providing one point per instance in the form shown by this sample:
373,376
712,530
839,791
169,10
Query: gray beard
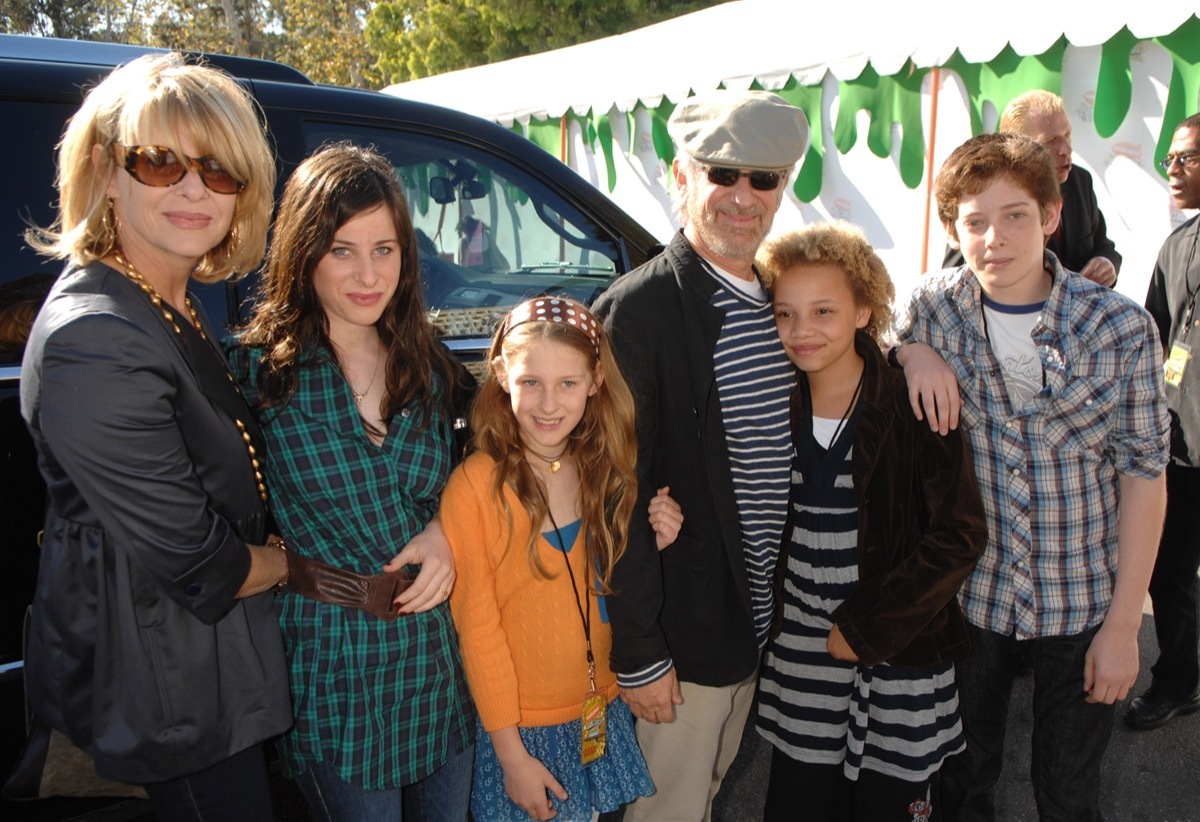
734,245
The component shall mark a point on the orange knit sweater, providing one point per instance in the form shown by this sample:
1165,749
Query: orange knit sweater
521,635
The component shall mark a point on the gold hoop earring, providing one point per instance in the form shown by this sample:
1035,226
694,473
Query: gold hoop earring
108,227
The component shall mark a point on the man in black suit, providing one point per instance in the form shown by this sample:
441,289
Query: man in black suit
1081,241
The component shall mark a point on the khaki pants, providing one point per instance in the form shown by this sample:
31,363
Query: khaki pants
688,758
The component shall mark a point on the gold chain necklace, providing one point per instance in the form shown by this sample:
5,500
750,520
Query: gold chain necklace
142,283
136,277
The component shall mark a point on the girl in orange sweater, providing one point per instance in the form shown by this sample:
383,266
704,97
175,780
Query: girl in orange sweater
536,518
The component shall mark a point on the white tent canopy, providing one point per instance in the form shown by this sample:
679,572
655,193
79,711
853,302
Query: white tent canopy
769,41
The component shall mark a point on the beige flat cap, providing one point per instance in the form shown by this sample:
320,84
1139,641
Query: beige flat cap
740,129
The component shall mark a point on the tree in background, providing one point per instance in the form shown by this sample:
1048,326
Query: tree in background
324,39
418,38
404,39
51,18
226,26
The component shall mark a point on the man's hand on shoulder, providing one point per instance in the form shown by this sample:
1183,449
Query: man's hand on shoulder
655,702
1100,270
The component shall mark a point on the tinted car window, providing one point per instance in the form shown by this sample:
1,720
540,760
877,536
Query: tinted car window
28,141
33,131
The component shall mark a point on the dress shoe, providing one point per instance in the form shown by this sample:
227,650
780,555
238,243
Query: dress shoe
1154,709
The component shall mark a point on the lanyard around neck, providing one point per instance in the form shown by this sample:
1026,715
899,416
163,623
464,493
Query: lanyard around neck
584,617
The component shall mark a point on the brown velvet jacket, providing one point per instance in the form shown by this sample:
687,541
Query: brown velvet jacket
920,528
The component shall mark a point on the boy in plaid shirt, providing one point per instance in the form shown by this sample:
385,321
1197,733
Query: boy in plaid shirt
1061,391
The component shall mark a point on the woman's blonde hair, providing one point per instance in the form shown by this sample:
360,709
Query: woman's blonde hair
844,245
603,445
162,92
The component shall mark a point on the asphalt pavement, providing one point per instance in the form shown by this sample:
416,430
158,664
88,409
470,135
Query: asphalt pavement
1149,776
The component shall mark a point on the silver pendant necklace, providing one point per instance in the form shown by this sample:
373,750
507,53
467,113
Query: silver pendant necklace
360,396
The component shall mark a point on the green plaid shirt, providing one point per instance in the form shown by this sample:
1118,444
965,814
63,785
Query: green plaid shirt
383,702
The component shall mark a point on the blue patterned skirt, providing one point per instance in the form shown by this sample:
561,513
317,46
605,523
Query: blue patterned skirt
618,777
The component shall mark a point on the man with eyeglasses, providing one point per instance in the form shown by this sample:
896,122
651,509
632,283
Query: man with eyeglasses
1171,300
694,334
1081,241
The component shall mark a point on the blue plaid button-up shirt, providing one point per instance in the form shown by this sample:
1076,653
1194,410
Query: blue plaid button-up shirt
1048,471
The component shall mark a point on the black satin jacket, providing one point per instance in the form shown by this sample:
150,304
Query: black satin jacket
921,528
138,650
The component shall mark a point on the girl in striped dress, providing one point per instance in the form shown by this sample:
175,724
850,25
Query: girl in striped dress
857,693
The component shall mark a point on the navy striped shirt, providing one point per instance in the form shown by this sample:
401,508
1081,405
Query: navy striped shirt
754,380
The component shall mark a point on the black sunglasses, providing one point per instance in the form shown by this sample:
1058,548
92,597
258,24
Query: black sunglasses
159,166
759,180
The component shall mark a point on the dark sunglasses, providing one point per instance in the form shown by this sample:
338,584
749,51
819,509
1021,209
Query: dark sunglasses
759,180
159,166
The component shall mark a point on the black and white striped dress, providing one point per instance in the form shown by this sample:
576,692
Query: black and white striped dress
895,721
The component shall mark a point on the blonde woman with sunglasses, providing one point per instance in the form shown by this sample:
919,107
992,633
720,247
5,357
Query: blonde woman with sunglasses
154,644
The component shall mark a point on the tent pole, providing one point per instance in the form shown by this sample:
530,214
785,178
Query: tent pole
935,79
562,139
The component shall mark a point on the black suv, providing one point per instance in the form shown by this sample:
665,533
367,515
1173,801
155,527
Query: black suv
497,218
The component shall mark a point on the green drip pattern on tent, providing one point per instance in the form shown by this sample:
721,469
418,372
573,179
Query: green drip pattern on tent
893,103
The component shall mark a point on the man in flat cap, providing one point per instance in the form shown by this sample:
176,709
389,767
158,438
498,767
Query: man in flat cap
695,336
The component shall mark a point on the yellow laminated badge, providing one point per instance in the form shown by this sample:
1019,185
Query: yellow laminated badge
595,728
1176,363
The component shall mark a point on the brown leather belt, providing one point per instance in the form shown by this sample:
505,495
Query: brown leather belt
375,593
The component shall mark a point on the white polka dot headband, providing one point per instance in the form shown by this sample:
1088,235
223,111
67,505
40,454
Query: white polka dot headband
554,310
